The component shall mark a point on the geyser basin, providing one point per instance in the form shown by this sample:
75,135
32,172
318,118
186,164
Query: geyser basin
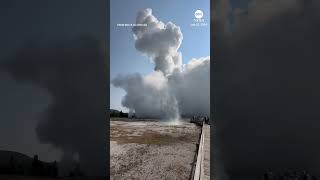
152,150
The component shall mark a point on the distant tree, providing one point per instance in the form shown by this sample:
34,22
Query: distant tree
35,165
114,114
55,169
122,114
12,165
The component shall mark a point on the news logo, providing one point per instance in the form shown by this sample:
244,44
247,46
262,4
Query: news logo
199,20
198,14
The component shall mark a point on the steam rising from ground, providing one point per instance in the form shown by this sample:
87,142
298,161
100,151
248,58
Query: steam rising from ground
172,88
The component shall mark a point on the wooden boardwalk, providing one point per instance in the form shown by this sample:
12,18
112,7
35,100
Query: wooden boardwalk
205,175
202,170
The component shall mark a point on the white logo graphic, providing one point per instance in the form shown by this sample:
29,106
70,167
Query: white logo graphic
198,14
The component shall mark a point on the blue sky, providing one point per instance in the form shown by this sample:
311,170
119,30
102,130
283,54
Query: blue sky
125,59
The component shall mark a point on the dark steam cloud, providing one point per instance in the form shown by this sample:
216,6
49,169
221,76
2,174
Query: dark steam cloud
73,73
268,87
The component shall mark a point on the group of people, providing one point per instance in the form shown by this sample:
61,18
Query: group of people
288,175
200,119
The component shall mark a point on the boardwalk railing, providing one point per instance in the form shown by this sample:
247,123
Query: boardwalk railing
199,170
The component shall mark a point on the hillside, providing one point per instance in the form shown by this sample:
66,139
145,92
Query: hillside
18,163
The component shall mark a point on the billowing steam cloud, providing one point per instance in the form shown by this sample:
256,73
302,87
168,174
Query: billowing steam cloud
173,88
73,73
148,96
268,92
159,41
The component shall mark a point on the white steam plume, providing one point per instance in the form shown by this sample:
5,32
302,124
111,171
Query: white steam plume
173,89
158,41
148,96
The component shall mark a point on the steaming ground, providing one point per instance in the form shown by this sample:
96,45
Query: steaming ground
152,149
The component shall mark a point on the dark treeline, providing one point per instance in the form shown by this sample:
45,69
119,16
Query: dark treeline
29,167
35,167
38,168
116,113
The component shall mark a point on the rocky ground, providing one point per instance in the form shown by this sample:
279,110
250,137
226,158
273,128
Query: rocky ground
152,149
